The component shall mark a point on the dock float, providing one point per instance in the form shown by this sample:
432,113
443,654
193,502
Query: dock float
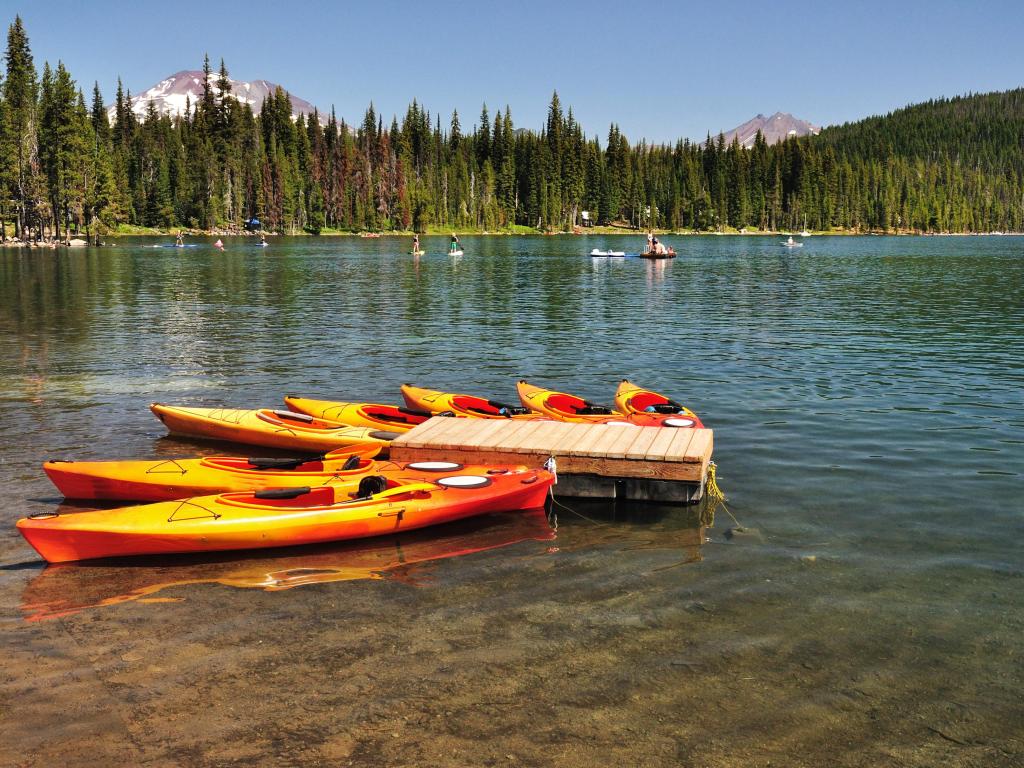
661,464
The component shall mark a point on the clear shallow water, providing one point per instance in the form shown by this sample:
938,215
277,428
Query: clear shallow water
867,399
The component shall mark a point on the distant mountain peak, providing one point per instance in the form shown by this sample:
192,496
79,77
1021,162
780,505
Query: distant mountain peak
775,128
172,94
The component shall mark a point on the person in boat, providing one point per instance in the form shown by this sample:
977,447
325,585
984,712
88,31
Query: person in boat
455,244
219,245
416,243
263,239
650,242
180,240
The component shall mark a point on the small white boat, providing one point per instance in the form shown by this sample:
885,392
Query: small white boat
791,243
455,253
598,252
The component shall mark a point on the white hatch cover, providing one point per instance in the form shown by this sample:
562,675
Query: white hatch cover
678,422
434,466
464,481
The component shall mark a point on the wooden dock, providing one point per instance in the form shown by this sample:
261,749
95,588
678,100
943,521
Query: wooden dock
593,460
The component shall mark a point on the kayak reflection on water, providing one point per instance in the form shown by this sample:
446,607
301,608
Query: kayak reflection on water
62,590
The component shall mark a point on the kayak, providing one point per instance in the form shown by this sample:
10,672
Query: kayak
268,428
562,406
167,479
64,590
596,252
455,253
282,517
417,253
390,417
463,405
631,399
566,407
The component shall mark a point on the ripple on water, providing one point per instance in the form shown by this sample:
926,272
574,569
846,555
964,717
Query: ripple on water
866,399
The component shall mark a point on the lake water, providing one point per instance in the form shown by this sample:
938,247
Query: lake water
867,396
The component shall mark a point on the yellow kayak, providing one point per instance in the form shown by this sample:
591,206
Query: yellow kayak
166,479
562,406
462,405
629,398
566,407
269,428
378,415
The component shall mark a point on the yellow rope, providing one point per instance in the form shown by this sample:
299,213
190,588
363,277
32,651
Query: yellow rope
711,488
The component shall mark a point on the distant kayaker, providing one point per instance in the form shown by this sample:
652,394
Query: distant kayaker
263,239
416,244
219,245
455,244
180,241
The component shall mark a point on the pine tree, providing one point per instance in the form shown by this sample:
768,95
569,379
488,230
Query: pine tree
18,130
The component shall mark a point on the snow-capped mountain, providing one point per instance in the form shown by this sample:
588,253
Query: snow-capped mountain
775,128
171,94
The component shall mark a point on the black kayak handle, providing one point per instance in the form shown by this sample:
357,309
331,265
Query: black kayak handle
282,493
267,463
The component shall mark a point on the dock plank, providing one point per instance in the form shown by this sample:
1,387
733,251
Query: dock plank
547,439
519,436
445,435
593,436
620,447
573,438
677,449
656,451
638,450
475,432
699,450
417,436
674,448
615,439
501,436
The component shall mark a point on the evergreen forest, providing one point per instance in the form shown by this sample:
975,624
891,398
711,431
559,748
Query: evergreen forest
67,169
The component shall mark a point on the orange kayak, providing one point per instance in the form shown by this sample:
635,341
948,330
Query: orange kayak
631,399
390,417
268,428
283,517
463,405
166,479
565,407
169,479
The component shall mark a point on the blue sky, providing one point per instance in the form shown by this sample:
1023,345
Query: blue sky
662,70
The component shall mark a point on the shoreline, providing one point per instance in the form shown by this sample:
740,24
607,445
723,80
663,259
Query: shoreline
602,232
